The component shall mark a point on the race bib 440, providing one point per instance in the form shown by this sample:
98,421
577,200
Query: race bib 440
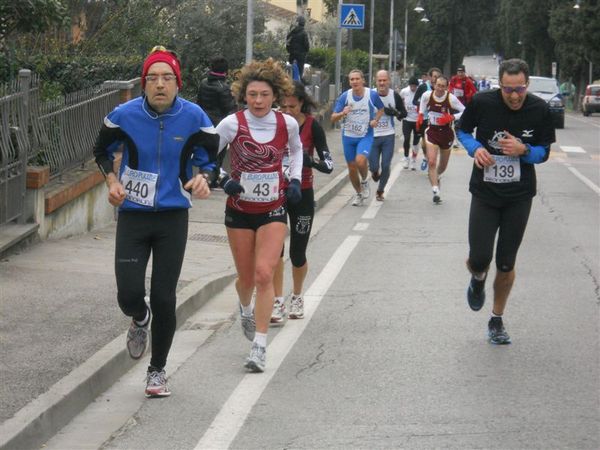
140,186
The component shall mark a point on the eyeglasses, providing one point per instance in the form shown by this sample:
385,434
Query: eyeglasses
167,78
517,89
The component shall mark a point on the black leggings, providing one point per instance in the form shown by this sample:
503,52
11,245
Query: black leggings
301,219
510,220
407,129
163,233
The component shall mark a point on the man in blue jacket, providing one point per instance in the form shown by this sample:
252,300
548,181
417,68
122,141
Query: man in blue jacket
161,136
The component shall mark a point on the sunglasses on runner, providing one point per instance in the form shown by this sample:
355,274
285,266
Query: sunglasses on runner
517,89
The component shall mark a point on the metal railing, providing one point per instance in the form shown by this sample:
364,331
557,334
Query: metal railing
14,146
59,133
64,130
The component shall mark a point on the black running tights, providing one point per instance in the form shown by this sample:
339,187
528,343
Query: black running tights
164,234
509,220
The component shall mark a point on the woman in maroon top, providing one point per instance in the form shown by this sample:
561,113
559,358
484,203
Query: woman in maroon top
255,215
312,135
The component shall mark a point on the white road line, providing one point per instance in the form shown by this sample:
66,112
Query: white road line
583,120
585,180
374,206
579,175
231,417
572,149
361,226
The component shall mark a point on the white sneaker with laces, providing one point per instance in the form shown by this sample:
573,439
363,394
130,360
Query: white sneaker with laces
257,360
358,200
406,162
248,325
413,163
296,307
279,311
366,189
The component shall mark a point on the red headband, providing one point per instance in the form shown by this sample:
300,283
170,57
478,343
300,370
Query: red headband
165,57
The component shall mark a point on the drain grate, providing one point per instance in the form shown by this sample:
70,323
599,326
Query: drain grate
208,238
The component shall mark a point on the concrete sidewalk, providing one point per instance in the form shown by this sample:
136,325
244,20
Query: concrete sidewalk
61,331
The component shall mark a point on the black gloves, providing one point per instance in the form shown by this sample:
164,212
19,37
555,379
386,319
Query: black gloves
307,160
293,192
393,112
230,186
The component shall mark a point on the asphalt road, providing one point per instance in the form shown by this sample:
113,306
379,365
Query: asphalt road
389,355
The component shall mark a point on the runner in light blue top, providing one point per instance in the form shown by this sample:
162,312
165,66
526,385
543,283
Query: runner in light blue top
360,109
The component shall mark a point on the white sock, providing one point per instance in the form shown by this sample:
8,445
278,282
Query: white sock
435,189
260,339
246,310
144,322
278,299
496,315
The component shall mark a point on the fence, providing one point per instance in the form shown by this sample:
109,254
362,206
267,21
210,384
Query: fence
14,146
64,130
59,134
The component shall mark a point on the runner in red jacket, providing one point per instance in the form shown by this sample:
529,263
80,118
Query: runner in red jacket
462,86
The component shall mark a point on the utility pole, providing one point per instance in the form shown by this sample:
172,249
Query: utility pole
405,37
391,33
249,31
372,21
338,51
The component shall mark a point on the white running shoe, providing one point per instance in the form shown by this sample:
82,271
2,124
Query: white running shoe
366,189
257,360
406,162
413,163
437,199
358,200
296,307
248,325
279,311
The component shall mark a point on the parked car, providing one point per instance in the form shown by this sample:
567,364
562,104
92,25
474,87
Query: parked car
547,88
591,100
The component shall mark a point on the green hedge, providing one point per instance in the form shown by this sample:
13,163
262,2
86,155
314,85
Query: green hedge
63,74
324,58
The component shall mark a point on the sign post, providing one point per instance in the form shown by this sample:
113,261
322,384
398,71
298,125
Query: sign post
351,16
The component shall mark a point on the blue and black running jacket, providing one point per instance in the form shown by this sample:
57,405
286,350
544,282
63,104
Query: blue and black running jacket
160,146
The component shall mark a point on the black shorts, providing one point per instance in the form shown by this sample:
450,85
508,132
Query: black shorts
237,219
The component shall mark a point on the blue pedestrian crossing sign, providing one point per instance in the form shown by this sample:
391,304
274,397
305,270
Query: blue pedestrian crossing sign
352,16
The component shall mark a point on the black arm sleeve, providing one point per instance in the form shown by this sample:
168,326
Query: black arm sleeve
325,164
400,106
106,137
418,93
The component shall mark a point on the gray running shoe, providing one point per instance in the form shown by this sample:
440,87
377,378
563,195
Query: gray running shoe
279,312
156,384
257,360
366,189
496,332
296,307
137,339
248,325
358,200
